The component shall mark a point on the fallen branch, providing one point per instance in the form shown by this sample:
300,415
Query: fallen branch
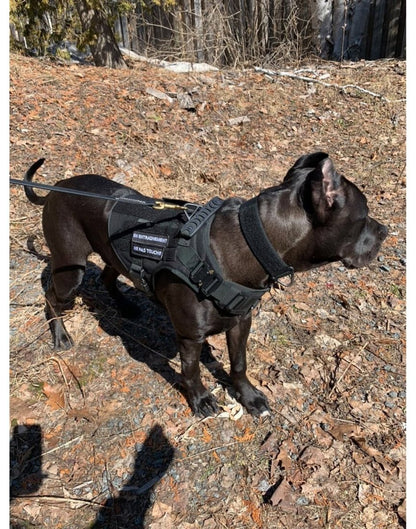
350,363
64,445
178,66
323,83
62,499
59,360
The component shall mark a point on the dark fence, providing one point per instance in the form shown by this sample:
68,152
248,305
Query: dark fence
247,29
370,29
225,32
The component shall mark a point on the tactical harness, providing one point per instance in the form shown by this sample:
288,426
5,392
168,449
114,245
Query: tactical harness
174,235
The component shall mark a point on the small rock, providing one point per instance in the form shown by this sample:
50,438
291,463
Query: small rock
326,341
158,94
263,486
302,500
123,164
401,511
210,524
239,120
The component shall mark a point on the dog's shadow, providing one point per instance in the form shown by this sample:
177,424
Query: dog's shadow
148,336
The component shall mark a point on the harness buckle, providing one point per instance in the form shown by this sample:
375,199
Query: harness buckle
290,275
204,277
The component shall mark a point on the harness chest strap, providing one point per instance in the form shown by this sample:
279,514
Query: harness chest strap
194,262
202,277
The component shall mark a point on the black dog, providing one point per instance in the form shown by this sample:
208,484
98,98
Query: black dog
314,217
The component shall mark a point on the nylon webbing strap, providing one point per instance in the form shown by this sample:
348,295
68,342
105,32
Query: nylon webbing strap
206,276
258,242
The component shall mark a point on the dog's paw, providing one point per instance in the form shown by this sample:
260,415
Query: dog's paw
254,401
205,406
127,309
62,341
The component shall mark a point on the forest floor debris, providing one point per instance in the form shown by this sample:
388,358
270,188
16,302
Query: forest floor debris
101,436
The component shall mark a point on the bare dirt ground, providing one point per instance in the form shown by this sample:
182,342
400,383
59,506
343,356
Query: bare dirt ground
101,437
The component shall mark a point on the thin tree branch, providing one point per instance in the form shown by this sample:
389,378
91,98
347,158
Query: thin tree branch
323,83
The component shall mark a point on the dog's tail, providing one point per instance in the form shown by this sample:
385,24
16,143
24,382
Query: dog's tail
31,195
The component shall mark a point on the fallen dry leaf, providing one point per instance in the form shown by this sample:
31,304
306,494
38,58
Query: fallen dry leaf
284,497
383,460
55,396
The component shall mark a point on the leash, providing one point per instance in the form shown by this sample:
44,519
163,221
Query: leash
155,204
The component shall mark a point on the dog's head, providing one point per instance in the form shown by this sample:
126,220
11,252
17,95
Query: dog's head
337,212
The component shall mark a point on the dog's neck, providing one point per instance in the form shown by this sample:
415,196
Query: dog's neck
231,249
285,231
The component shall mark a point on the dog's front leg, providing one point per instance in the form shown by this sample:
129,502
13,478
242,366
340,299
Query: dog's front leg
252,399
201,401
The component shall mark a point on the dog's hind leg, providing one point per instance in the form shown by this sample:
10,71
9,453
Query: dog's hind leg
109,278
60,297
69,249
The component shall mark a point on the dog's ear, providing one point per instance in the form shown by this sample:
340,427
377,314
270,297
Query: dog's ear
323,191
307,161
310,160
330,187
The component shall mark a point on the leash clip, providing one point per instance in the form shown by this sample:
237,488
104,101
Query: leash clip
159,204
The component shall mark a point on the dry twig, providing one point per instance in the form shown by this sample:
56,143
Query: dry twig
323,83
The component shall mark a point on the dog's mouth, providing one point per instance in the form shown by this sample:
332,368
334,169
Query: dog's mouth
361,260
352,263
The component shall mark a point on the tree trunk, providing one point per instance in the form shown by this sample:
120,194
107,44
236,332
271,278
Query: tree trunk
101,37
199,31
322,25
263,26
401,32
187,18
132,27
